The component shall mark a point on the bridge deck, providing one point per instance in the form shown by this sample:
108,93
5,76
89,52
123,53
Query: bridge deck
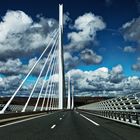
68,125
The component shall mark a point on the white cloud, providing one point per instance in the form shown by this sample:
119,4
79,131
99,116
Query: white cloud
9,84
117,69
90,57
70,61
129,49
16,67
131,30
86,27
98,82
67,19
11,67
81,38
21,36
14,22
136,66
104,82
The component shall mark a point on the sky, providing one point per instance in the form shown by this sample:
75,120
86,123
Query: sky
100,40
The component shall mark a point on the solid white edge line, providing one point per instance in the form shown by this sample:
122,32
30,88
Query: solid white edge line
20,117
22,121
53,126
93,114
90,120
28,119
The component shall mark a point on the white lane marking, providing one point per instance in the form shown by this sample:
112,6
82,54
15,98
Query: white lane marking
20,117
60,119
87,113
22,121
76,112
63,115
28,119
53,126
90,120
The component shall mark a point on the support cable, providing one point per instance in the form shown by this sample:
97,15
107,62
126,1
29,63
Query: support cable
12,97
53,88
53,46
50,90
48,84
44,80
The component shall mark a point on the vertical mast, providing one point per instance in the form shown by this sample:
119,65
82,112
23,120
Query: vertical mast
72,92
69,93
61,65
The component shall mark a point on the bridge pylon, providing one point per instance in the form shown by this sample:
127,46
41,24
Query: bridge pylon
61,60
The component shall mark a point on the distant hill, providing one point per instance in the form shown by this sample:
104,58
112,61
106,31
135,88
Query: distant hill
78,101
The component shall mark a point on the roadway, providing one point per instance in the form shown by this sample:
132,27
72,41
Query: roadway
68,125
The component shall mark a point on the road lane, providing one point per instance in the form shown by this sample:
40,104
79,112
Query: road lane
121,130
90,120
69,125
36,129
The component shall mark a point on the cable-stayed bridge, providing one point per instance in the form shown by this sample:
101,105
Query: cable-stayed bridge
52,117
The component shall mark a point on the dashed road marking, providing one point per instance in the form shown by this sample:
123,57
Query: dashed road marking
53,126
60,119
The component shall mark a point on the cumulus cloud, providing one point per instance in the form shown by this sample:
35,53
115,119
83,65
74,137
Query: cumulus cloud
117,69
86,27
116,75
14,22
9,84
70,61
99,82
16,67
131,30
21,36
136,66
82,36
10,67
90,57
67,19
129,49
104,82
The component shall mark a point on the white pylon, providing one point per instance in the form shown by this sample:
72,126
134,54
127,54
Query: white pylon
69,91
72,94
61,69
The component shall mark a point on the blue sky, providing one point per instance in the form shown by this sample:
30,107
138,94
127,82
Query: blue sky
115,13
109,45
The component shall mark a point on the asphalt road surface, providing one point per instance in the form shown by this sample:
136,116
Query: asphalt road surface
68,125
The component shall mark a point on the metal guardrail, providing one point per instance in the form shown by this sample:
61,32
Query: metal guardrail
125,109
18,108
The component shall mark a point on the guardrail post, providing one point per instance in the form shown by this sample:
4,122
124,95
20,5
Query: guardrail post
130,118
112,114
124,117
119,115
137,118
103,113
115,115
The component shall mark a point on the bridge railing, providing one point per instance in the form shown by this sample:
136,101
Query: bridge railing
123,109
